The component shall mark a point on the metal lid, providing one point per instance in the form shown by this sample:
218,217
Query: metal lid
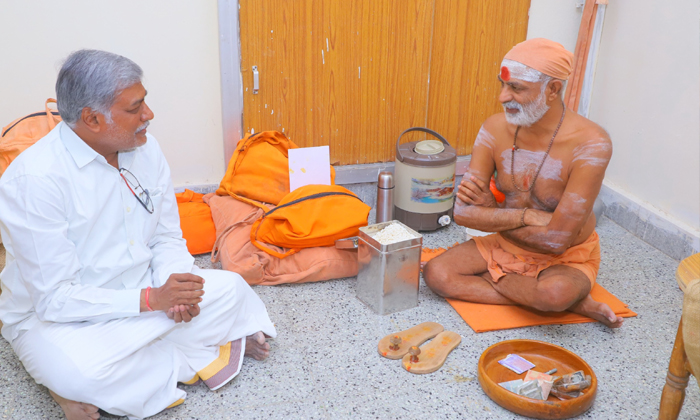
410,157
385,180
429,147
410,153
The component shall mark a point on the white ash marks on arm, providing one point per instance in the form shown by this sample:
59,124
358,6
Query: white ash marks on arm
572,205
528,162
593,152
553,239
484,139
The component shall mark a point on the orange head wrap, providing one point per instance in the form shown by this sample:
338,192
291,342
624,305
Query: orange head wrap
547,57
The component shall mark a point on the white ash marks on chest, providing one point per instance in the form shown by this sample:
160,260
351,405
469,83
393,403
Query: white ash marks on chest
520,200
484,139
527,162
594,152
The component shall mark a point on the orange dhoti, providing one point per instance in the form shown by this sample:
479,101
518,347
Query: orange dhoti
503,257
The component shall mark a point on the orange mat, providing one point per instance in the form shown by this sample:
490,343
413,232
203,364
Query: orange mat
482,317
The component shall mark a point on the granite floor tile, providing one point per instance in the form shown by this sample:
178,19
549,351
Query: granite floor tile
324,362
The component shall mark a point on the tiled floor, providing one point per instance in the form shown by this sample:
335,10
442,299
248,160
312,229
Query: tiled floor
324,363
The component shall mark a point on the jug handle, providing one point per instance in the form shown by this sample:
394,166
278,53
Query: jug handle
424,130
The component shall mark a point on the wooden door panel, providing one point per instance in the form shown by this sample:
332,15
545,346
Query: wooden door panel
469,41
354,74
348,74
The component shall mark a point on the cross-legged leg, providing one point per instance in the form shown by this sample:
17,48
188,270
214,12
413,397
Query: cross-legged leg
557,289
459,274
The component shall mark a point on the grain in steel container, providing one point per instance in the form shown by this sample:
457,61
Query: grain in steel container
424,178
388,275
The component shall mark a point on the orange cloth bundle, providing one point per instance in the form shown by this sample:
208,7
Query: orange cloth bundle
24,132
259,168
196,223
310,216
503,257
234,218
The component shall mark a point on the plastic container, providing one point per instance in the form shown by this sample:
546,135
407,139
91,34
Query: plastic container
424,174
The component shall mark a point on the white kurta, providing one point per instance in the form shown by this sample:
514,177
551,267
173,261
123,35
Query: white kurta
80,248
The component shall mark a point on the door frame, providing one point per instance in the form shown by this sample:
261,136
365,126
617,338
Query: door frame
231,78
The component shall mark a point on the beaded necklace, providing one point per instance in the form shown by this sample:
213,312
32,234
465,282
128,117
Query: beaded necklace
512,154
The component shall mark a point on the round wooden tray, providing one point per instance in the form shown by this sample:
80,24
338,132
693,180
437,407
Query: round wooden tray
545,356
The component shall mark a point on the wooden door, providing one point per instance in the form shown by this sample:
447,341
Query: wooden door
354,74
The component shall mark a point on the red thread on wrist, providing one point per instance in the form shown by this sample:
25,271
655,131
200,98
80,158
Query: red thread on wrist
148,291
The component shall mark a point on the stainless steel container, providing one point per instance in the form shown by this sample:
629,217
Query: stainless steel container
389,274
385,197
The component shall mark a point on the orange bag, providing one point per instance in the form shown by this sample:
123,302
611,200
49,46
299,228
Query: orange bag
310,216
23,132
234,219
259,168
196,222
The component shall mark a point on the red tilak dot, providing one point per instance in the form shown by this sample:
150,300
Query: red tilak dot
505,74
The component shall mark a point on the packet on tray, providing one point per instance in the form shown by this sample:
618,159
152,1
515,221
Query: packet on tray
545,381
516,363
570,385
512,386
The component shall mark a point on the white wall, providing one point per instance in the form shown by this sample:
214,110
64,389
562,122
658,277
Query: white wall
646,93
557,20
174,41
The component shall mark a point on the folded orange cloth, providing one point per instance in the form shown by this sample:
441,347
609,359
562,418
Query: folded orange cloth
482,317
233,220
503,257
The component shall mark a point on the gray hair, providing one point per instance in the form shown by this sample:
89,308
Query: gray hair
93,79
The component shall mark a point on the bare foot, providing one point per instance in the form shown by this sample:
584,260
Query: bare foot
76,410
597,310
256,346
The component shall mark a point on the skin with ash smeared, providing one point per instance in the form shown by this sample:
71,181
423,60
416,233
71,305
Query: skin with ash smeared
567,184
560,205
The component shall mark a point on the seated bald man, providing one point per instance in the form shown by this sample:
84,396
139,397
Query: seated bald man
550,163
100,299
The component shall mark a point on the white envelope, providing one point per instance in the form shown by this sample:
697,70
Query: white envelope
309,166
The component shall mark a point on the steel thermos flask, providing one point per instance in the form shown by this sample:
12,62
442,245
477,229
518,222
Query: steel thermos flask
385,197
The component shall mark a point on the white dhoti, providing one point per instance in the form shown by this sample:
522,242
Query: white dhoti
131,366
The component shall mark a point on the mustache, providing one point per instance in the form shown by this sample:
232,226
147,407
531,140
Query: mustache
512,105
143,126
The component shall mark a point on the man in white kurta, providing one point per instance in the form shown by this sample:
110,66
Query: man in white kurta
82,252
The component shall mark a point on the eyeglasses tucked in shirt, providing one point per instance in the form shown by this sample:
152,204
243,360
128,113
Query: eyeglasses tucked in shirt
135,187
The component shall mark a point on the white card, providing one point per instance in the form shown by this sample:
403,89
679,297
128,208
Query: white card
309,166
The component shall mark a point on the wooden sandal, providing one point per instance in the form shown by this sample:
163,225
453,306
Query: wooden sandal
395,346
432,356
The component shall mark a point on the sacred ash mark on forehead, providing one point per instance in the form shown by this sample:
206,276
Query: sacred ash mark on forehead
527,161
520,71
